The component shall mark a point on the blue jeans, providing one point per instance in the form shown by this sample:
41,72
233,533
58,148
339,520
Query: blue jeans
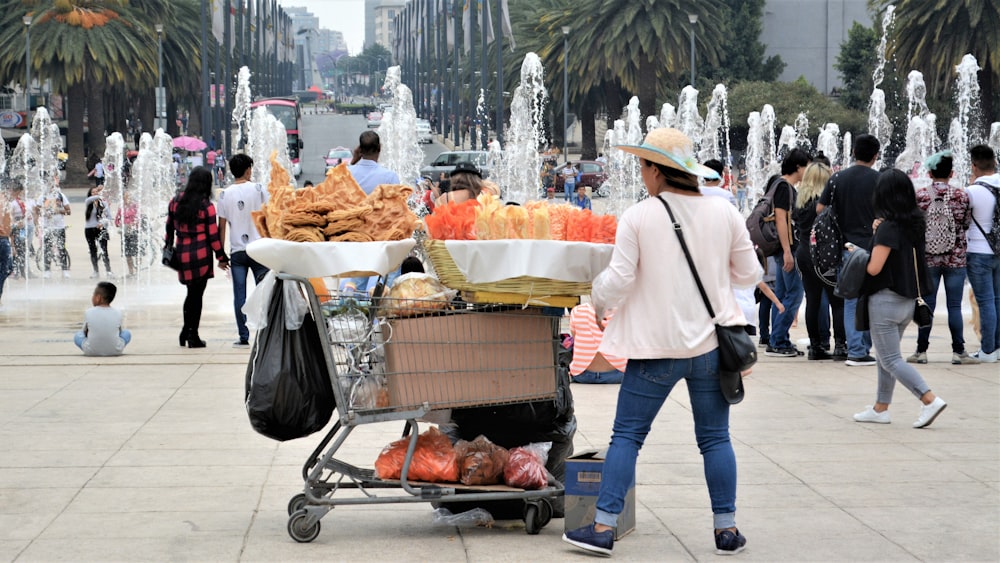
954,282
646,386
240,264
859,342
6,265
984,275
79,338
588,376
569,188
890,313
788,290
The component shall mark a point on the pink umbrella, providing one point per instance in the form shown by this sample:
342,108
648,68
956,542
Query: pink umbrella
189,143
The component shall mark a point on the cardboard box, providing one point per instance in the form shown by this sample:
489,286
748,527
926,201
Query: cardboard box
583,481
471,358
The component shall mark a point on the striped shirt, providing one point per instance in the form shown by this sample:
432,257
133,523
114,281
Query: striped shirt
587,339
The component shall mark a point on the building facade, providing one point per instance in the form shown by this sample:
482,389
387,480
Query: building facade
378,21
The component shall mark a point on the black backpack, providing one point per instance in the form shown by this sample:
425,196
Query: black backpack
992,237
761,223
826,244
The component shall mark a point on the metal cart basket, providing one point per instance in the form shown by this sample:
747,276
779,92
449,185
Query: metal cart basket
400,360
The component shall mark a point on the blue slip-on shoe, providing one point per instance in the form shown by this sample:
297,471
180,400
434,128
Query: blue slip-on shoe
599,543
729,543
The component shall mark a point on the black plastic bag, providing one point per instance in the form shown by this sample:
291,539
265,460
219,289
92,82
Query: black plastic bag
288,390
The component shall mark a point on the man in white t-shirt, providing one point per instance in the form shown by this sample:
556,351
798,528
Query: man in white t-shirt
235,205
982,259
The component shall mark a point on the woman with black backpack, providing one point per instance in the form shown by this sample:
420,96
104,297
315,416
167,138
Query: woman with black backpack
819,296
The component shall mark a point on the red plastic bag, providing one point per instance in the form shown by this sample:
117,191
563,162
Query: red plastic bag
526,466
434,459
480,462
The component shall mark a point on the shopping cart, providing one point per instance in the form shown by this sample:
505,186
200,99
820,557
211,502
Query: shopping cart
401,360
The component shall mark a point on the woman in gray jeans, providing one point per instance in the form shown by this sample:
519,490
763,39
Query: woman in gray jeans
895,266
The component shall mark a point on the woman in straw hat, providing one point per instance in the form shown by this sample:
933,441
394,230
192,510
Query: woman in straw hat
663,327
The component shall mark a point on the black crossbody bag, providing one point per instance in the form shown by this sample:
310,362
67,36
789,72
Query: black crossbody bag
737,352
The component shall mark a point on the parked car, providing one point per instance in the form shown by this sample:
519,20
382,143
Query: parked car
592,174
336,156
374,119
446,161
424,131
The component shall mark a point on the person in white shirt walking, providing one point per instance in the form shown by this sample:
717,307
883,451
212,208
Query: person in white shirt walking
235,205
983,259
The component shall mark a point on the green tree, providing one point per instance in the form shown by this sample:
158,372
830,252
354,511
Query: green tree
856,62
743,53
933,35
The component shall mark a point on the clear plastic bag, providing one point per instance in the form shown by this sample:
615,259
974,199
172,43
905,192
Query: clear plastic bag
296,306
526,466
469,519
255,307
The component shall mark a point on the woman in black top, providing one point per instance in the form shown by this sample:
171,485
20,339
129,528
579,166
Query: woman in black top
819,294
895,271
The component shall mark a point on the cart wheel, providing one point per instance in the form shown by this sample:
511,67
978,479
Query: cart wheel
297,503
298,530
536,516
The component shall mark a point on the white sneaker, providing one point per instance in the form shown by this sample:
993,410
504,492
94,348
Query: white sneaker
870,415
46,275
929,412
985,358
66,274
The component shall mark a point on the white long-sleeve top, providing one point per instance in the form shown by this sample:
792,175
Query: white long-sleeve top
660,313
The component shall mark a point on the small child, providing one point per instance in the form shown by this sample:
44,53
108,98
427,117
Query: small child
748,298
102,333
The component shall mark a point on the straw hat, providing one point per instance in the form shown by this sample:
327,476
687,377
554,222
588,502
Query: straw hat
670,147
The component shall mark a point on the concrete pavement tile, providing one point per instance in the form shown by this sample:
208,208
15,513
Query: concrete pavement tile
10,549
120,524
159,457
166,499
114,550
15,402
56,458
792,437
28,500
874,471
131,405
160,437
902,494
783,454
44,477
226,376
27,525
938,533
687,495
177,476
980,470
694,473
36,378
68,436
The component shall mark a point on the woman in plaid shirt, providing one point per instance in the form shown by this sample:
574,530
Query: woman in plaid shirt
191,215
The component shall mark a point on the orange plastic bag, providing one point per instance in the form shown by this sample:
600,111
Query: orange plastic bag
434,459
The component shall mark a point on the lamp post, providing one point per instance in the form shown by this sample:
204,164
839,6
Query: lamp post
161,96
565,30
27,71
693,18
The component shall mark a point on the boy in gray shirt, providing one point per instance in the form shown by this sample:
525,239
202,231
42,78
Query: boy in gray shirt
102,333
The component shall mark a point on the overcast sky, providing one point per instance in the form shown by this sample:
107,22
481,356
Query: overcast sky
346,16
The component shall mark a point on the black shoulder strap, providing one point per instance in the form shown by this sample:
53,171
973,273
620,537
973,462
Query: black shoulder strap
687,254
996,196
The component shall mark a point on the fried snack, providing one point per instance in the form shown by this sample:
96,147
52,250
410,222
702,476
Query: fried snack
344,226
352,213
558,216
304,219
540,222
390,213
341,188
279,176
518,222
353,236
483,222
260,221
580,226
305,234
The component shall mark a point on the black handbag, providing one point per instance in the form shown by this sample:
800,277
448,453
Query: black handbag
737,352
170,258
861,322
922,315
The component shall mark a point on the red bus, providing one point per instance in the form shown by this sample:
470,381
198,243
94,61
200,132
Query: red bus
286,111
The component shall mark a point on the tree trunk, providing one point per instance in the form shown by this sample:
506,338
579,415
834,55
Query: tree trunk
588,149
194,123
986,80
147,113
95,118
613,101
76,166
172,129
647,87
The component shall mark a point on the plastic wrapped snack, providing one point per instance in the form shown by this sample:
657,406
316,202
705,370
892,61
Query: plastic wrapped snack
526,466
417,293
433,460
480,462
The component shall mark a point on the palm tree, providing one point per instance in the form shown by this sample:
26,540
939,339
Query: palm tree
81,46
933,36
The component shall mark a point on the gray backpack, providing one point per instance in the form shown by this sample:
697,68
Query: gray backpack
941,229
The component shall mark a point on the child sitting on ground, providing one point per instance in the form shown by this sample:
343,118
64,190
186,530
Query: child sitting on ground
102,333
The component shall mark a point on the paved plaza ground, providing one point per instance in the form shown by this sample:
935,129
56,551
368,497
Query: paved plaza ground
150,456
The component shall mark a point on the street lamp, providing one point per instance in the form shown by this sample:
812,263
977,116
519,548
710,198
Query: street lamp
565,30
161,96
693,18
27,71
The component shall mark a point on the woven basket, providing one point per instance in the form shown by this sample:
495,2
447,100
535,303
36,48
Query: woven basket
452,277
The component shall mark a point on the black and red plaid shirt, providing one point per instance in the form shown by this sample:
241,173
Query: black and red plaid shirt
196,242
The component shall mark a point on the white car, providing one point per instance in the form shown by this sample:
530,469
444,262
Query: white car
374,119
424,132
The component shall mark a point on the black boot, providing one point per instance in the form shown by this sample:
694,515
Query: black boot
193,341
840,351
818,353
